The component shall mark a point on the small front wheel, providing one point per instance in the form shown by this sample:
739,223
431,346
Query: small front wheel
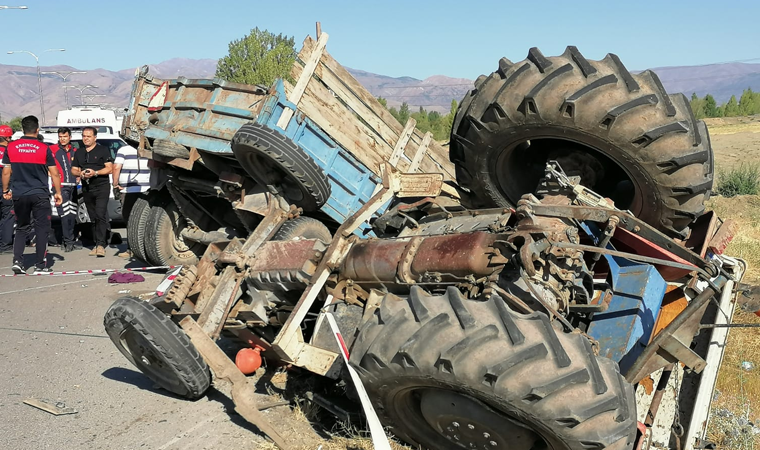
157,346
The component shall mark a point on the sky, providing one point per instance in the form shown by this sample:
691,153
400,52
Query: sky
460,39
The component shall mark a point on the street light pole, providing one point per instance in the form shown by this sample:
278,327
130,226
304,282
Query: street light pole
39,76
64,75
81,89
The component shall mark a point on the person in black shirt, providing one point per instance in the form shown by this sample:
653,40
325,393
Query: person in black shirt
93,163
30,161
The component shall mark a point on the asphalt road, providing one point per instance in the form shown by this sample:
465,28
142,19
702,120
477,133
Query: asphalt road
53,347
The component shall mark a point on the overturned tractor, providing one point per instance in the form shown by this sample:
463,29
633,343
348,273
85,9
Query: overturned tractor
521,320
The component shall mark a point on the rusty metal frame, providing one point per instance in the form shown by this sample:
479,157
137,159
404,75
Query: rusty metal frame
289,344
242,387
627,222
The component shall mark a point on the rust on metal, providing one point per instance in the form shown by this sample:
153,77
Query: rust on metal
374,260
458,254
723,237
225,369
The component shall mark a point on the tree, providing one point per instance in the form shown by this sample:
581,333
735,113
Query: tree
14,123
711,106
747,103
383,102
732,108
259,58
403,113
698,106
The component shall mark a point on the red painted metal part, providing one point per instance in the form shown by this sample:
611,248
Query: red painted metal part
629,242
723,237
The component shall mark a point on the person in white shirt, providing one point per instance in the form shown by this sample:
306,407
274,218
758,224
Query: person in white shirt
131,177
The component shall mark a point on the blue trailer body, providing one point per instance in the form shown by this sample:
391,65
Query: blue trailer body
209,127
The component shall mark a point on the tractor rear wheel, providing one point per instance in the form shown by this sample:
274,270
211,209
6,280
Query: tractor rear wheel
626,137
446,372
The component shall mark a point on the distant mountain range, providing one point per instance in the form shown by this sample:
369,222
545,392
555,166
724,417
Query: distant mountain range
18,95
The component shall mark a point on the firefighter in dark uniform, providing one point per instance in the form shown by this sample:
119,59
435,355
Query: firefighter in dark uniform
63,152
27,163
6,206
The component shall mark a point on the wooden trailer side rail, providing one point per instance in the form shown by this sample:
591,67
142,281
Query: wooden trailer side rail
353,117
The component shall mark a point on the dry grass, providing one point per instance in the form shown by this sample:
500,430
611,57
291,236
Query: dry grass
732,125
739,389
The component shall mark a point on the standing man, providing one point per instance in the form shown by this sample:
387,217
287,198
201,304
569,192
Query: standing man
6,206
63,152
131,177
30,161
93,164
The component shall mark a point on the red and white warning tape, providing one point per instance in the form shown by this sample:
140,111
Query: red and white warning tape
90,272
167,283
379,438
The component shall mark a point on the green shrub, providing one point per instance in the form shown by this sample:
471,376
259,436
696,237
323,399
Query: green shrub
742,180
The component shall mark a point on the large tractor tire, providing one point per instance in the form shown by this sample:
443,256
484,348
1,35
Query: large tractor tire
157,346
164,244
622,133
136,223
446,372
272,159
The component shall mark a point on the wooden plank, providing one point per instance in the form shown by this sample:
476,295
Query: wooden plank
380,124
365,112
329,114
303,80
358,90
398,149
436,159
56,409
421,151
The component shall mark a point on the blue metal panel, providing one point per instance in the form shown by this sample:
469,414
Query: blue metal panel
625,328
352,182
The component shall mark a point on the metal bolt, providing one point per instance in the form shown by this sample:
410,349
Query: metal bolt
456,424
636,229
486,435
450,429
470,426
493,443
456,437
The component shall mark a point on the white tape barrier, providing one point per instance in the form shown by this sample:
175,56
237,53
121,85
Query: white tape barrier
379,439
164,286
88,272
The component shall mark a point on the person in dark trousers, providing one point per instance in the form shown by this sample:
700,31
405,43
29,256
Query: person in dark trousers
63,152
6,206
93,163
27,163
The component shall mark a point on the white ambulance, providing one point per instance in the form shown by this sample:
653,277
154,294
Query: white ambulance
79,116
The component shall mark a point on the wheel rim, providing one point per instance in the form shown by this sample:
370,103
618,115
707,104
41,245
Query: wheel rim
464,421
521,164
148,359
266,170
